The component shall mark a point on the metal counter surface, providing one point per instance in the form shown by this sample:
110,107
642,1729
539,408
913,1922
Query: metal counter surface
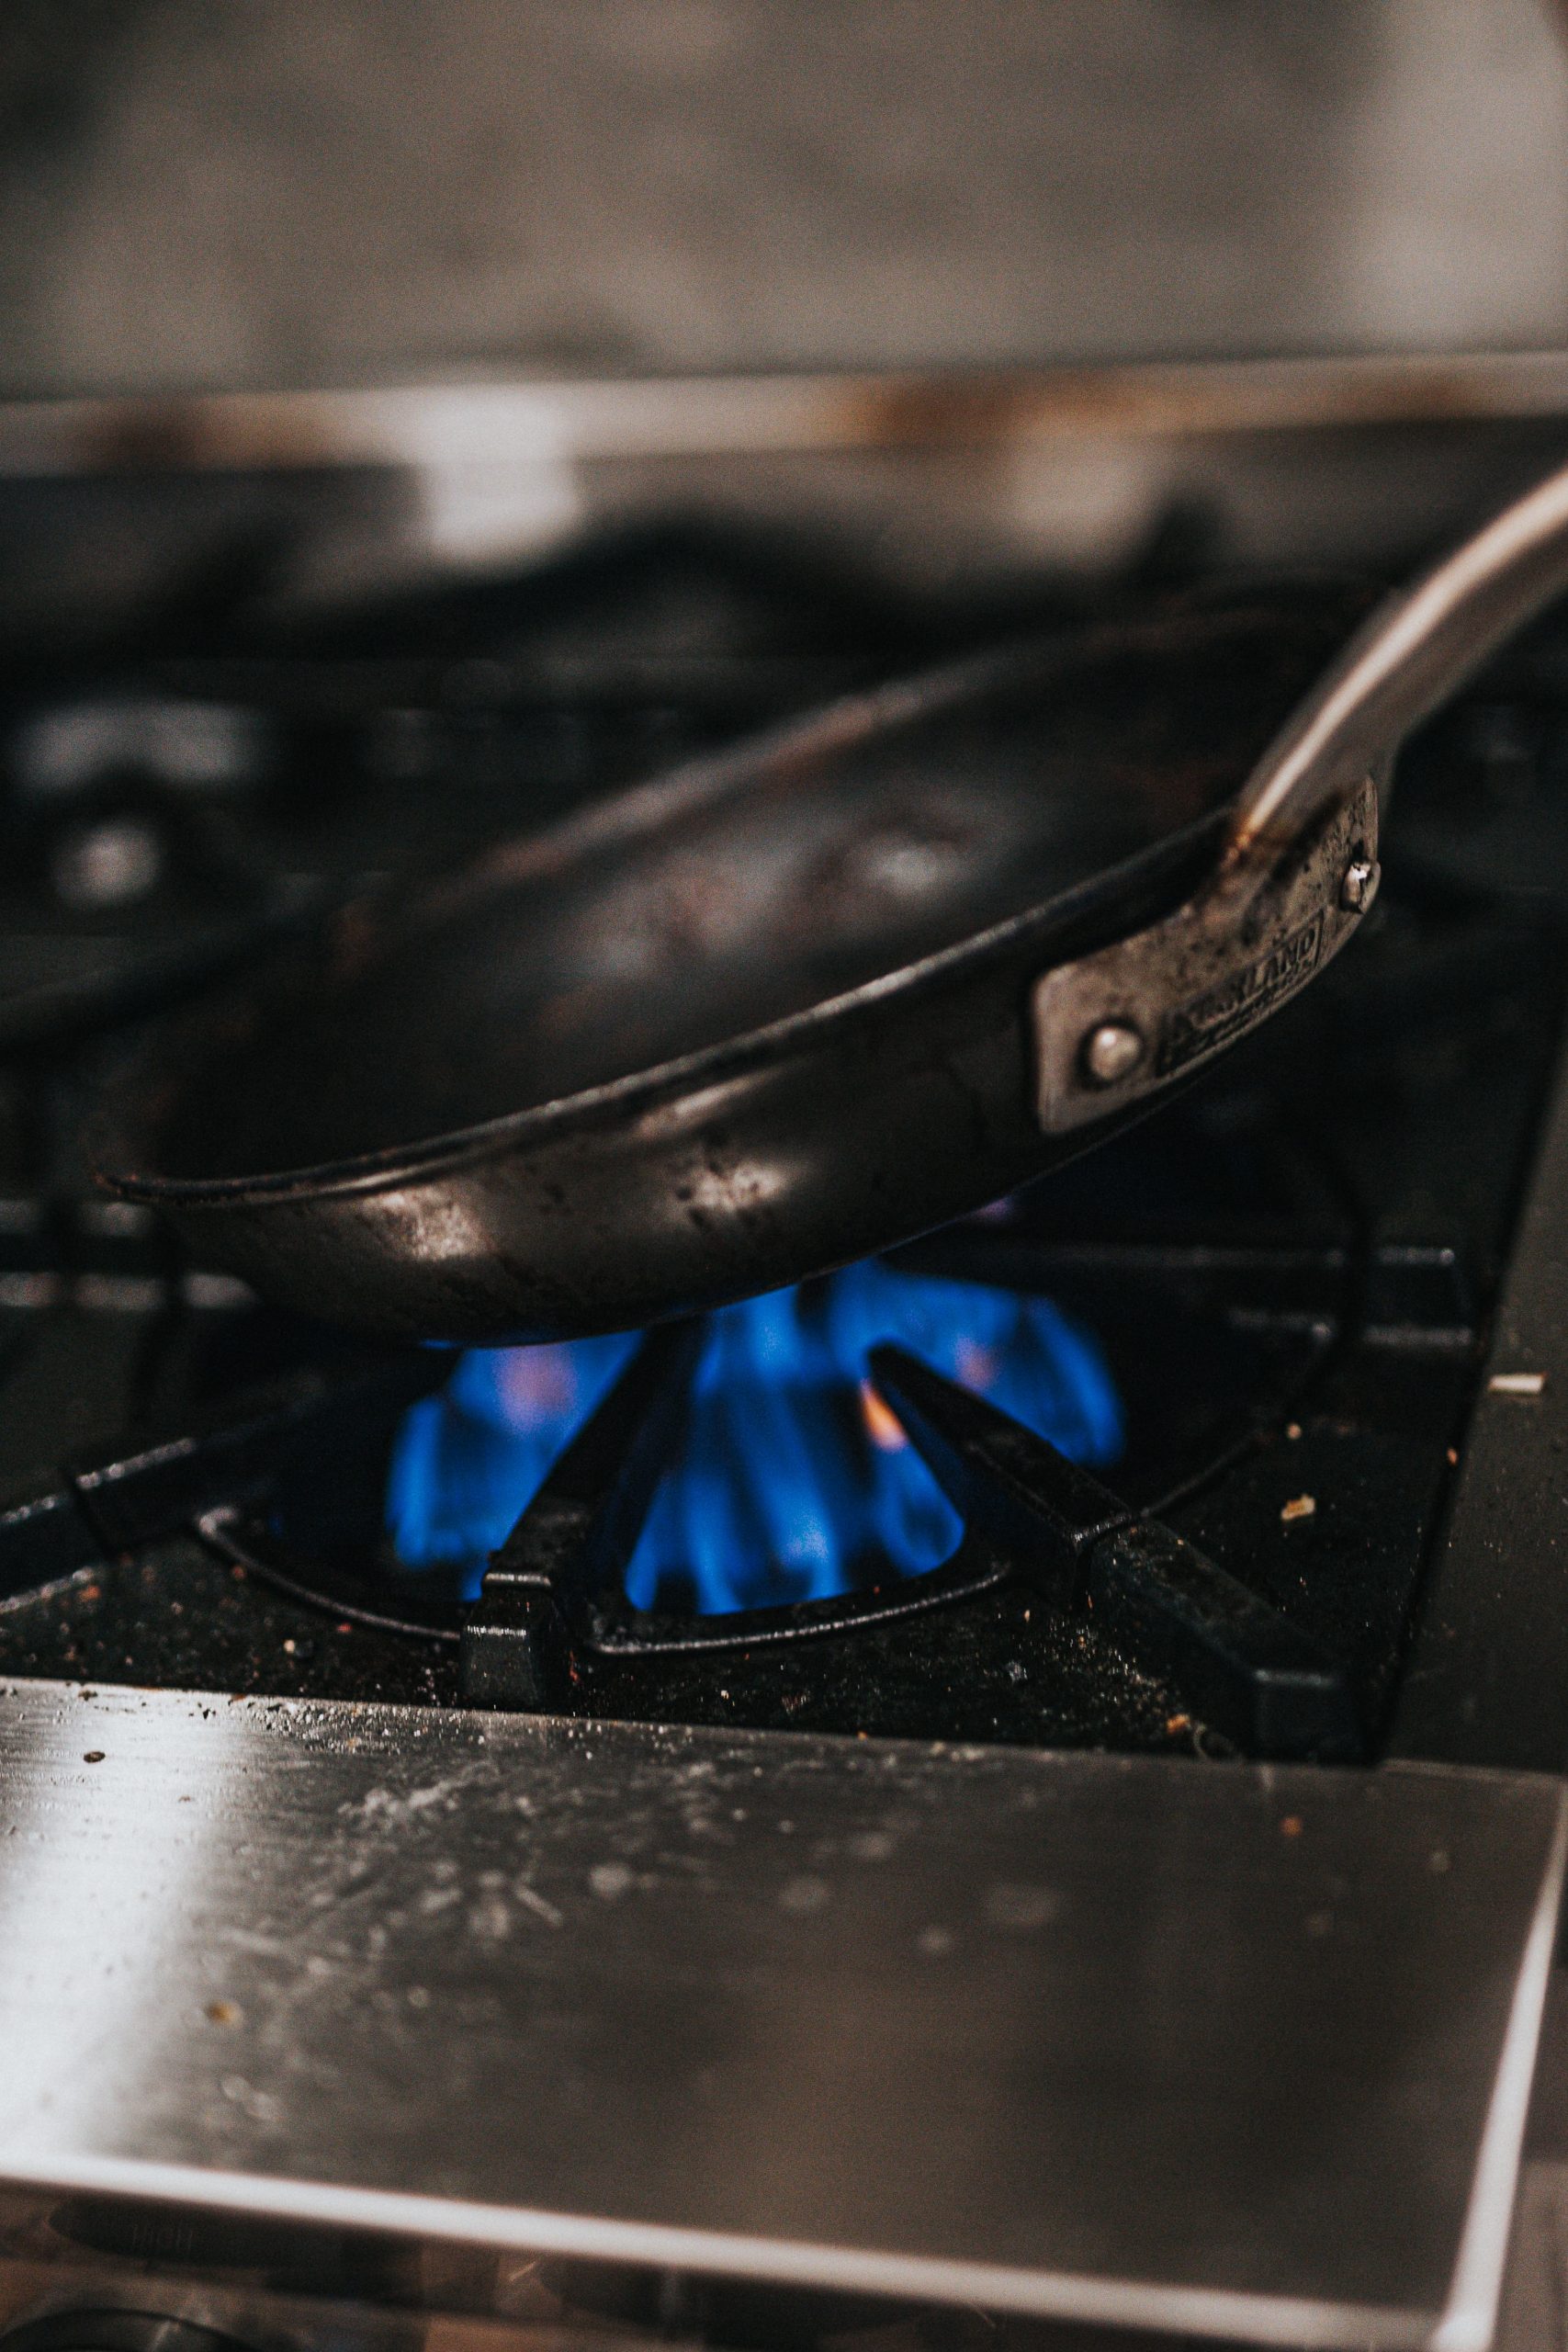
1231,2049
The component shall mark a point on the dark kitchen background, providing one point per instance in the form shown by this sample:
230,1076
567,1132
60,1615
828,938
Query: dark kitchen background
287,194
199,201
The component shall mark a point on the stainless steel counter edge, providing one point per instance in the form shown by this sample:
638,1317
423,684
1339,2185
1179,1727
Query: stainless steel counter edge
529,420
301,1768
1254,2319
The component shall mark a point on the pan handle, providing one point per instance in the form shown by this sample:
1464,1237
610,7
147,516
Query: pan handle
1299,869
1418,649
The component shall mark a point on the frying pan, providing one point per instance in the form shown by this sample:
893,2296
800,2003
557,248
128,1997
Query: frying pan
782,1008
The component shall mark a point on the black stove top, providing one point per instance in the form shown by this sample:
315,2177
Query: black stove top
1153,1455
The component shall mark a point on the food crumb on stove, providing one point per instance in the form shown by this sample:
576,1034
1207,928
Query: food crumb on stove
1291,1825
1299,1506
224,2012
344,1628
1517,1384
1293,1431
1453,1457
94,1756
288,1649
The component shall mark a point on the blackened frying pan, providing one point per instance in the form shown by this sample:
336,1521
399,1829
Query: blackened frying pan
782,1008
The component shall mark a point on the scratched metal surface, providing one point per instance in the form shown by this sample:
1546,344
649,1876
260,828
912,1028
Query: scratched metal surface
1134,2039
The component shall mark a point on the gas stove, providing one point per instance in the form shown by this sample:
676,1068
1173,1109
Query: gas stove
726,1830
895,1502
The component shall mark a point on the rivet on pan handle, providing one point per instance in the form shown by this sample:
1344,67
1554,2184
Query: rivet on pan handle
1123,1023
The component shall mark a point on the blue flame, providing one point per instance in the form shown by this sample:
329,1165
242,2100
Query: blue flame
793,1481
467,1461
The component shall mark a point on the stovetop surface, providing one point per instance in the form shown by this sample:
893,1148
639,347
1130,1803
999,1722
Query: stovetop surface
1289,1272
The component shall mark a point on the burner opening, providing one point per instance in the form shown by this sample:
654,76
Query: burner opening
792,1480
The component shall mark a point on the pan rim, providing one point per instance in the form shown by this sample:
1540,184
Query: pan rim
396,1166
118,1134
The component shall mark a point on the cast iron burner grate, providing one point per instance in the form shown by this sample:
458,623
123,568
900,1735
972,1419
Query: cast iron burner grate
553,1602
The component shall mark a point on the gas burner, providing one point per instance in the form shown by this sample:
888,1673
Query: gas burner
791,1479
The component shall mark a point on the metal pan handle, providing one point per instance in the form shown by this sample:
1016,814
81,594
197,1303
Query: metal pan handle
1415,651
1300,867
